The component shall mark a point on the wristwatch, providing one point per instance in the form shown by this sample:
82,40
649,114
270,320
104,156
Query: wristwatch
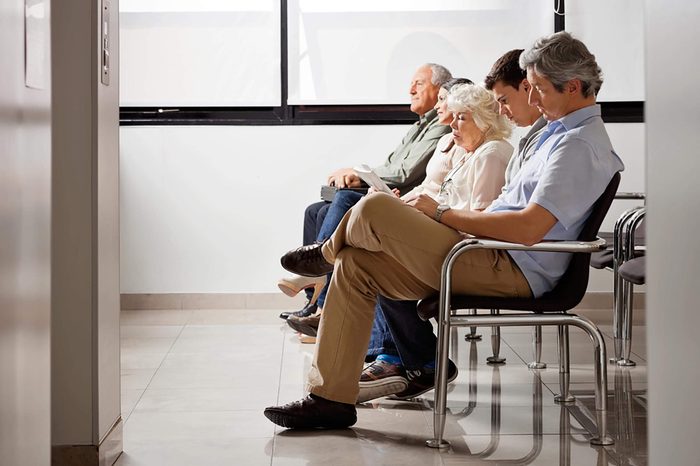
441,209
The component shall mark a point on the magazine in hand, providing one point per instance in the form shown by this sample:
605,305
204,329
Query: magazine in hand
372,179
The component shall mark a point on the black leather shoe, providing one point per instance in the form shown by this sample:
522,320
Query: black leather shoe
306,325
313,412
308,310
307,261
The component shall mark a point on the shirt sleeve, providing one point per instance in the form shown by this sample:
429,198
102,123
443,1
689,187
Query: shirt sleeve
573,179
489,175
411,168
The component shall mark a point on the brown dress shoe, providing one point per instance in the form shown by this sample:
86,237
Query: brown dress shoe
313,412
307,261
306,325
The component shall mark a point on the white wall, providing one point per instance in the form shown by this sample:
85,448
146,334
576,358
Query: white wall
672,225
212,209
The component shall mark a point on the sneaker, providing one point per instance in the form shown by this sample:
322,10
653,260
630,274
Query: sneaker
381,378
422,380
309,309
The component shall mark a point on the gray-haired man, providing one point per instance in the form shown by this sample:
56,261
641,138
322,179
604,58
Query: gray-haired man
404,168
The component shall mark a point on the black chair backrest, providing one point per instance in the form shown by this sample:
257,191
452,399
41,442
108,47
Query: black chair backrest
573,284
566,295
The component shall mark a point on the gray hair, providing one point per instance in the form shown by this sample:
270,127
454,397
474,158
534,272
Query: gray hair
560,58
455,81
482,106
440,74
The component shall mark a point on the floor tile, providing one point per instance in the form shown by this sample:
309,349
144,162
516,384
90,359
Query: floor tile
150,331
155,317
137,360
136,378
513,420
129,399
208,399
147,426
194,384
542,450
190,452
235,317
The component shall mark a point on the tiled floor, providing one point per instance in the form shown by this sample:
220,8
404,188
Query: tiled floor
194,384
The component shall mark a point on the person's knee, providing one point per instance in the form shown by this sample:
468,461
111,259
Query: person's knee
347,198
312,210
353,264
374,205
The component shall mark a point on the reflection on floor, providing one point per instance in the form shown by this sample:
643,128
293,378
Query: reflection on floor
194,384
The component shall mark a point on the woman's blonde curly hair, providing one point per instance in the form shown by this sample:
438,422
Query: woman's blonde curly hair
483,107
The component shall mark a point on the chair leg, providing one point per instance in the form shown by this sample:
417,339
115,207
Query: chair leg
495,343
441,366
626,337
472,335
537,349
618,311
563,339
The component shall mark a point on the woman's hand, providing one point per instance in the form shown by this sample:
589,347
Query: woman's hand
424,203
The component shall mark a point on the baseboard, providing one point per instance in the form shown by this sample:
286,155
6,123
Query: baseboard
104,454
602,301
161,301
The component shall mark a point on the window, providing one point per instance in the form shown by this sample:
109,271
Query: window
200,53
365,51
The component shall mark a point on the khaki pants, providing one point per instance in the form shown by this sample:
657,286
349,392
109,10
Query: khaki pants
385,247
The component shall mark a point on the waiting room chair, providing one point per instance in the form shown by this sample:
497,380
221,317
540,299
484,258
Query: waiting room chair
612,259
549,309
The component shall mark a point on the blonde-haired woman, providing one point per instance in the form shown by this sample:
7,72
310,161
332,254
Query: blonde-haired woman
475,180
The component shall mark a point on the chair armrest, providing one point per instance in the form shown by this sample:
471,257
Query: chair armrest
630,195
598,244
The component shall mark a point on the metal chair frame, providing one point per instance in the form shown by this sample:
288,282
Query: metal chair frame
622,329
549,309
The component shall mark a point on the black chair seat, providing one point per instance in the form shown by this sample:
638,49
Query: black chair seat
634,270
603,259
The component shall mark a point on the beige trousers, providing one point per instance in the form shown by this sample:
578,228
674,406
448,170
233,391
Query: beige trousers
386,247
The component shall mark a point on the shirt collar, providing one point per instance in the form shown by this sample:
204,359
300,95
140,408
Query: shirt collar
574,119
428,116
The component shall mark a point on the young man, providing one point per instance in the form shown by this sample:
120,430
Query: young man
412,372
385,247
403,169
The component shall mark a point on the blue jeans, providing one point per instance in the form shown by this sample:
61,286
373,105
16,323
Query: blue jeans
398,330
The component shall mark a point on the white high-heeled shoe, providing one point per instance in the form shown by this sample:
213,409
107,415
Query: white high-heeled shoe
291,286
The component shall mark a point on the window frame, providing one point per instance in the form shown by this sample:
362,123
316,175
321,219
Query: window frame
287,115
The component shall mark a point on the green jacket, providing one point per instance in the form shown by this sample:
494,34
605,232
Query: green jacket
405,167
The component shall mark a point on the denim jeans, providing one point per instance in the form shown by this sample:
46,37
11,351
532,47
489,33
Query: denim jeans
380,341
398,330
313,219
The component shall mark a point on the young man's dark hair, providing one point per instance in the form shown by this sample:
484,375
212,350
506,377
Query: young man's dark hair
507,70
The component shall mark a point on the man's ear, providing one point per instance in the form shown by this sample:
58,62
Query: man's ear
573,85
526,85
